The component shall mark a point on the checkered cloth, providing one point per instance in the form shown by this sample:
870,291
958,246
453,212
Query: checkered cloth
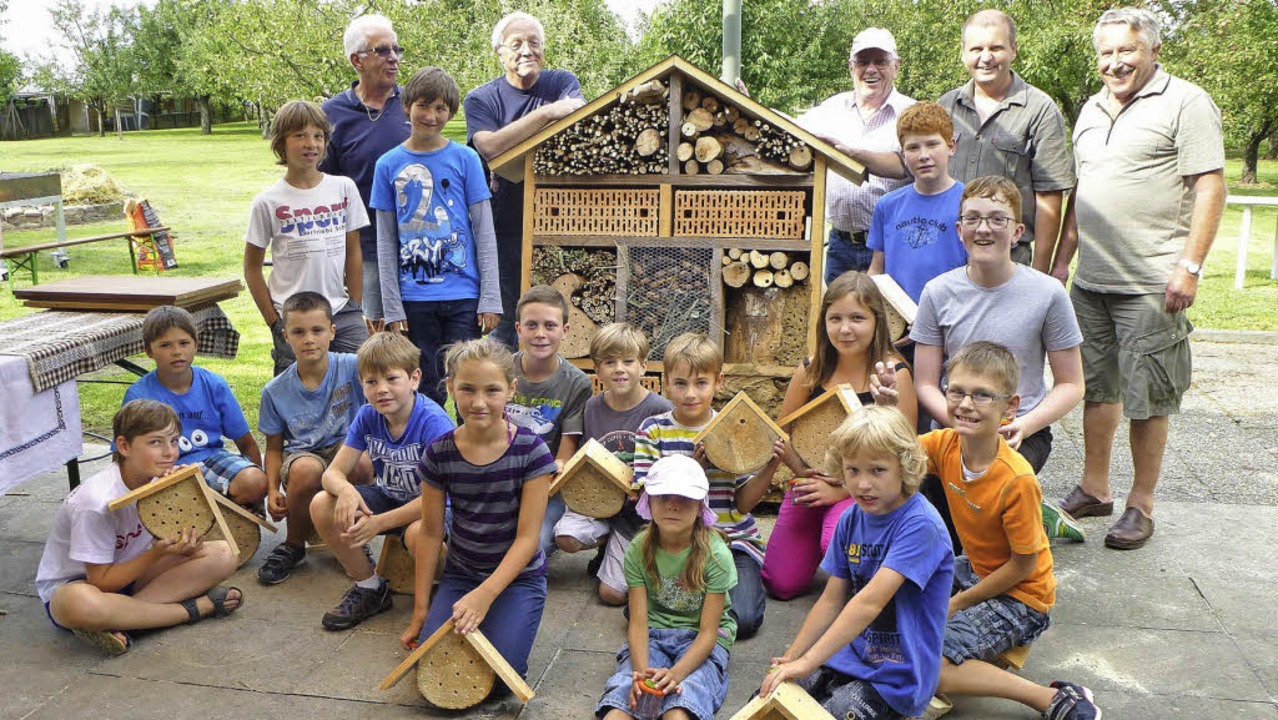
60,345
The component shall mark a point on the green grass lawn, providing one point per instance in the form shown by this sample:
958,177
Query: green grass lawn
202,185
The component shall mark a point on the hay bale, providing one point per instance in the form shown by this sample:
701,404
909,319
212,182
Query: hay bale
90,185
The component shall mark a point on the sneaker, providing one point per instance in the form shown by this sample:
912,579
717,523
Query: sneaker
358,605
937,707
280,563
1072,702
1060,524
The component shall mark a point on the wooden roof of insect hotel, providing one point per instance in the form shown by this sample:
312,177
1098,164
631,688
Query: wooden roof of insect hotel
510,164
787,702
811,425
177,502
594,481
458,671
740,437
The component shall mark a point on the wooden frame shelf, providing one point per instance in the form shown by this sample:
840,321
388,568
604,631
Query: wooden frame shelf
721,243
726,181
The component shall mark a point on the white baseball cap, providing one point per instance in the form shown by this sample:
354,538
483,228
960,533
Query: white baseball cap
874,38
677,475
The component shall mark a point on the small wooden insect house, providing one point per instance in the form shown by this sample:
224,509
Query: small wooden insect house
175,503
811,425
740,437
397,566
594,482
901,309
674,202
787,702
245,527
456,672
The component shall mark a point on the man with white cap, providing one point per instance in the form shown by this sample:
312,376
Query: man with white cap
862,125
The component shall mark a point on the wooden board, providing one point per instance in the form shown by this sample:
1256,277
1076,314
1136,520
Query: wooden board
127,292
177,502
901,308
246,528
811,425
787,702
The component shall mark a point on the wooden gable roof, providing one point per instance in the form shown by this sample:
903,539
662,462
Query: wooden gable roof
510,164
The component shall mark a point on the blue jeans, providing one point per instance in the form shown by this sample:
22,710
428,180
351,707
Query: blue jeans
703,690
990,628
748,598
843,255
433,326
512,620
554,511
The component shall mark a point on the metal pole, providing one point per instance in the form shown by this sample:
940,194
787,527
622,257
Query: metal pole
731,41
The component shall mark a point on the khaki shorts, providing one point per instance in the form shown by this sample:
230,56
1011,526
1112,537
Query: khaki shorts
1133,351
325,455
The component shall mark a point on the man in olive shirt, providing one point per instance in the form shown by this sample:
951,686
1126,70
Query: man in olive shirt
1151,190
1005,126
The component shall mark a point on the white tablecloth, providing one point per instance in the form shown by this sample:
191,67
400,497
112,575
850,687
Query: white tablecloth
39,432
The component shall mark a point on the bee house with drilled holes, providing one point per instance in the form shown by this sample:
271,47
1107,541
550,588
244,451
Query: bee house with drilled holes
811,425
676,203
594,482
787,702
740,437
456,672
178,502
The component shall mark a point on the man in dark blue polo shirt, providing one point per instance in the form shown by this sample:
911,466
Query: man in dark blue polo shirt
367,120
503,113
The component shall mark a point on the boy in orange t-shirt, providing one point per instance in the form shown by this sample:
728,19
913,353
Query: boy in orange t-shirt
1004,586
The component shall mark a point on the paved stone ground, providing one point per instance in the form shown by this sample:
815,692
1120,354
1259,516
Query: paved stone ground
1185,628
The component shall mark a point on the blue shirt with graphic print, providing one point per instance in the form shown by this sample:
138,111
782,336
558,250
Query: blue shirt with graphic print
395,458
208,411
917,236
431,194
899,653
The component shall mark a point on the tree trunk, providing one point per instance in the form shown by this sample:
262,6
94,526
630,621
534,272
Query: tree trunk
101,123
1251,156
1273,147
119,126
206,115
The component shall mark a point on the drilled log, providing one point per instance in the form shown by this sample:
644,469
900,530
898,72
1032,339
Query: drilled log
701,119
799,271
691,100
688,130
778,260
782,279
763,278
800,157
708,148
758,260
648,142
736,275
684,152
710,103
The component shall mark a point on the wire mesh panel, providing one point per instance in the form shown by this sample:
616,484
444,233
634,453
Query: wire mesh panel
564,211
739,213
669,293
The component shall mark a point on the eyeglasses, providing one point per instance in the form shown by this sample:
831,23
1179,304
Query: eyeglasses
384,51
878,63
996,222
515,46
980,398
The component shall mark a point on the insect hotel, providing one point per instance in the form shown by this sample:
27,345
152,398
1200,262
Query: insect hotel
787,702
741,436
678,204
456,672
812,424
594,482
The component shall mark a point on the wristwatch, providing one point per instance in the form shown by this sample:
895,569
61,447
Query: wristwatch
1191,267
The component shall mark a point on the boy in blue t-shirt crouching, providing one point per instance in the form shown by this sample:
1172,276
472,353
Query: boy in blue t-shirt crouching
204,404
394,429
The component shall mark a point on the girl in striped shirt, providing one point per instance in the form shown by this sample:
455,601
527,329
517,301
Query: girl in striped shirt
496,476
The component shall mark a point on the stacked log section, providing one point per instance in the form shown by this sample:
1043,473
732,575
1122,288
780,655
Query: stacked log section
629,138
596,295
742,268
716,137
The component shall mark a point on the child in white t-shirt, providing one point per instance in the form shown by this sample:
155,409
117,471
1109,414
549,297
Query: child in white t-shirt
311,222
102,574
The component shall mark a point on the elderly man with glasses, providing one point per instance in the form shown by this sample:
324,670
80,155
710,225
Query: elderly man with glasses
503,113
862,125
367,120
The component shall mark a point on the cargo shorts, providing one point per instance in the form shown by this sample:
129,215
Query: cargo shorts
1133,351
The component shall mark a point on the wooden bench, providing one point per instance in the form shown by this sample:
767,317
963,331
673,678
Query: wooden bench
24,258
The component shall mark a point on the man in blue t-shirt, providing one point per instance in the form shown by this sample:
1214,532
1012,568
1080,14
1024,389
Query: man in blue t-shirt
913,233
367,120
503,113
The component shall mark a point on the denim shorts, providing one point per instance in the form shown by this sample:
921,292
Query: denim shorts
221,467
991,628
379,501
703,690
844,696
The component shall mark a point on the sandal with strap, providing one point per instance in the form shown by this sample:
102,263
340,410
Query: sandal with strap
111,642
217,596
